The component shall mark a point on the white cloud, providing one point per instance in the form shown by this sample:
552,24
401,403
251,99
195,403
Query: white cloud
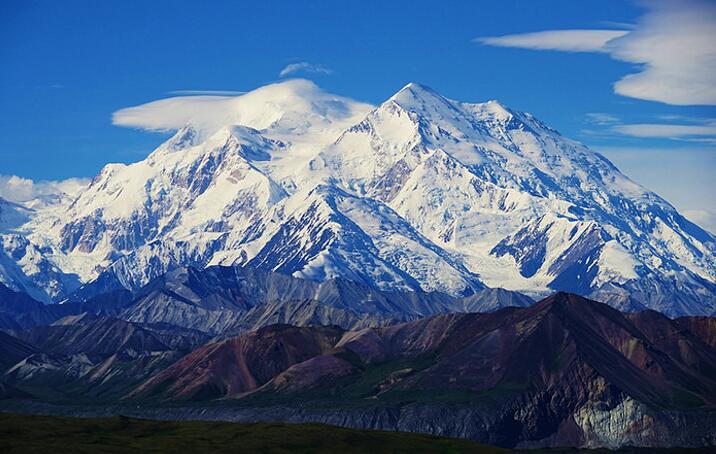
599,118
173,113
563,40
18,189
670,131
259,108
207,92
675,127
304,67
673,45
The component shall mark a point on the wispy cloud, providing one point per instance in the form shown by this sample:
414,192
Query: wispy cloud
667,130
207,92
672,44
19,189
600,118
562,40
617,24
304,67
674,127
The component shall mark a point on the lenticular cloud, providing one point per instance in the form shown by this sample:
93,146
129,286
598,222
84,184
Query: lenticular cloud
675,43
672,44
173,113
257,109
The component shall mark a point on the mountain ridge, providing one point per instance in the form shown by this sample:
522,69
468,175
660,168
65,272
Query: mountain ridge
418,193
219,301
565,371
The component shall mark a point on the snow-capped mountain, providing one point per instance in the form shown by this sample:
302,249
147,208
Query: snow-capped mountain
420,192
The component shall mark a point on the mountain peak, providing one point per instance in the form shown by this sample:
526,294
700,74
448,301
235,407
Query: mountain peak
573,305
416,87
185,137
414,94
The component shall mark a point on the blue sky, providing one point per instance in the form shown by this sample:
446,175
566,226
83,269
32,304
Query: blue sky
67,66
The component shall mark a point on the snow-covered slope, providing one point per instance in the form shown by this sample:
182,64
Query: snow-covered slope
419,192
26,262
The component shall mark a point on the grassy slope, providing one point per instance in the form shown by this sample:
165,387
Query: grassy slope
41,434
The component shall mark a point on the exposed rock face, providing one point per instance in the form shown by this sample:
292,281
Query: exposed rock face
628,423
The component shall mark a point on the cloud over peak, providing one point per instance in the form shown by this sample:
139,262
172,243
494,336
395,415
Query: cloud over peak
260,108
